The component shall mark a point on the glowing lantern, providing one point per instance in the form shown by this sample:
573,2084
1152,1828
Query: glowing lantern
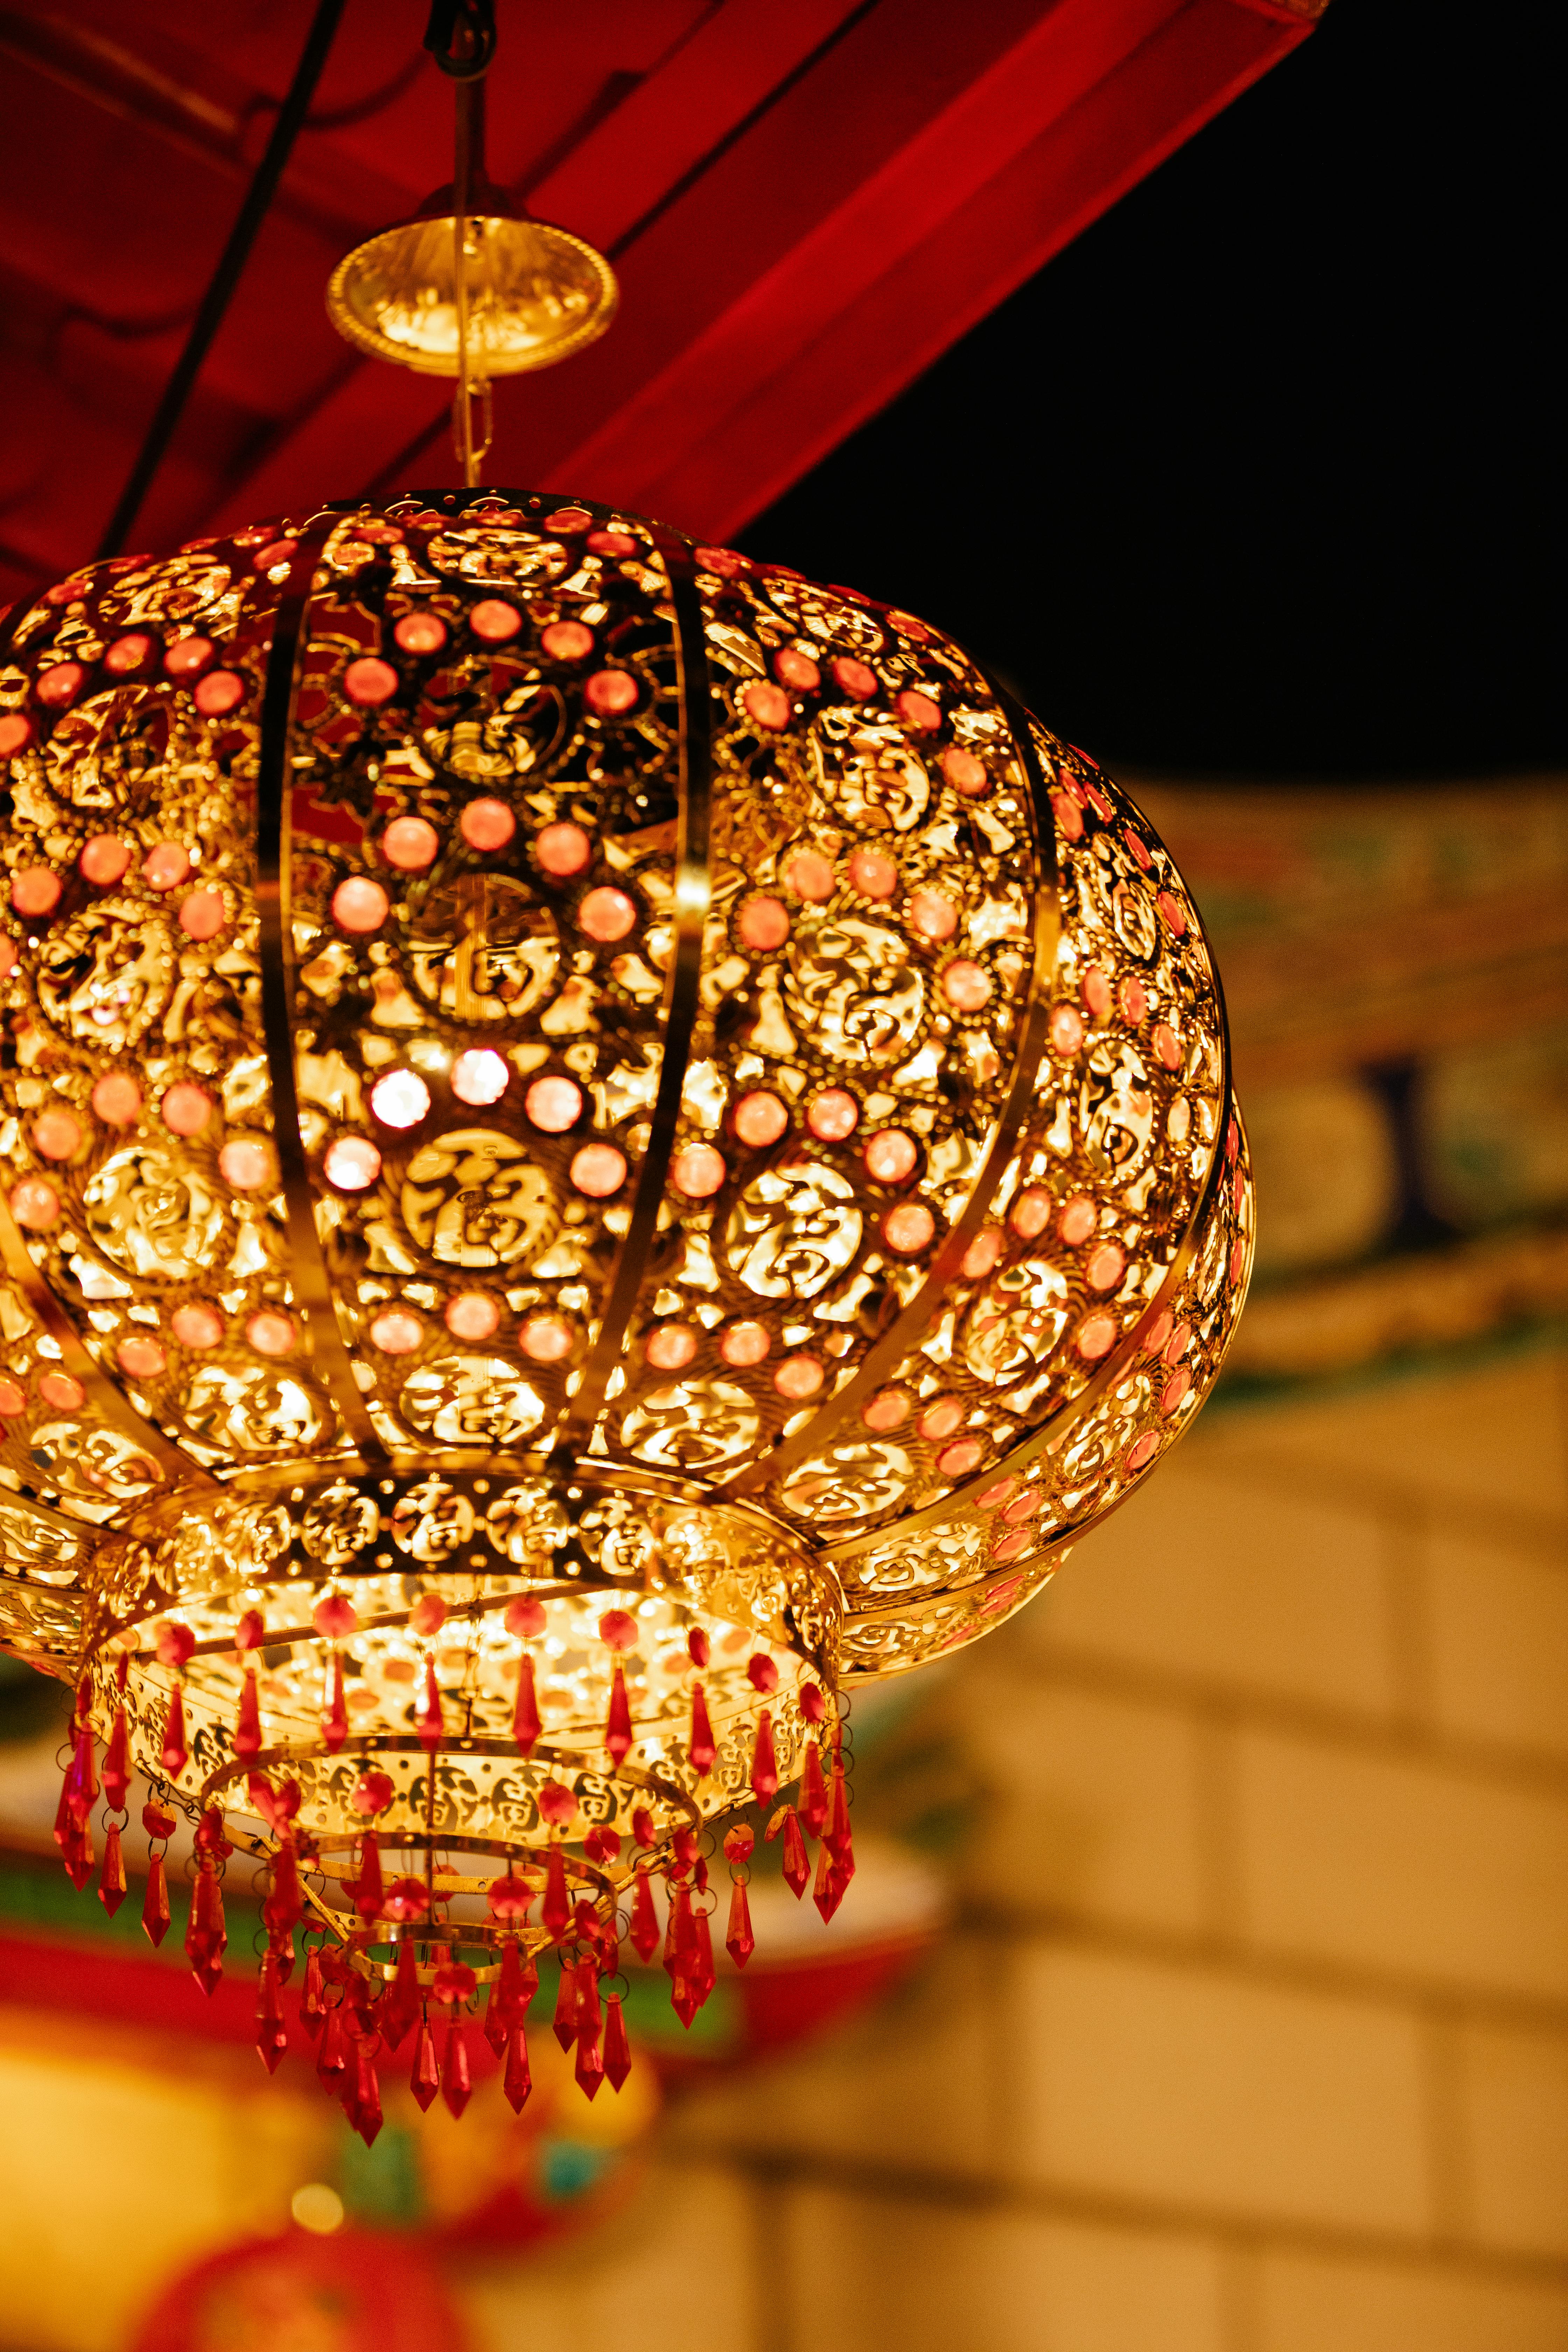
600,1143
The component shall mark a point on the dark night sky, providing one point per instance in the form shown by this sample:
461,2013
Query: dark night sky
1261,478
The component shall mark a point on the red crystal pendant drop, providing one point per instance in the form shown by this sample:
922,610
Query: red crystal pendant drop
335,1714
81,1778
835,1860
425,2079
617,2050
367,2116
739,1940
645,1918
519,1981
700,1748
701,1975
511,1992
313,1996
111,1883
369,1891
496,2028
247,1724
516,2080
456,2082
285,1905
116,1764
618,1727
525,1725
155,1903
555,1911
67,1836
79,1857
796,1863
590,2067
837,1837
206,1937
400,2002
272,2036
175,1753
347,2083
432,1727
332,2055
812,1794
563,2024
764,1763
677,1938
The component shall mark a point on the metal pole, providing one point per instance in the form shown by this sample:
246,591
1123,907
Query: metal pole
470,98
467,174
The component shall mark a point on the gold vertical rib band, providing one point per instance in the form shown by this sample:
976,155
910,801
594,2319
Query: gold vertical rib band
274,830
896,1341
693,891
104,1390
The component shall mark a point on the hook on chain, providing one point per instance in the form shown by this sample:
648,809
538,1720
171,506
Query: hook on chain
461,36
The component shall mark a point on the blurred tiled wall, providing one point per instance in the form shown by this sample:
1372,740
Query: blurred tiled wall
1253,2033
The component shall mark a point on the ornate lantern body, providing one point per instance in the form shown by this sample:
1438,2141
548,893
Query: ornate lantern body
599,1144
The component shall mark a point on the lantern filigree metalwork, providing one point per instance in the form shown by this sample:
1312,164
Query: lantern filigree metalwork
600,1143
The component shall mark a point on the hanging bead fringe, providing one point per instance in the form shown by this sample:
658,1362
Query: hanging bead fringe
352,2016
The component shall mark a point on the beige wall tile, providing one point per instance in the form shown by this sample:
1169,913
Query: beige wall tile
1223,1580
1514,2102
673,2268
911,2083
1445,1876
1309,2306
1130,2290
1498,1643
915,2279
1091,1807
1493,1436
197,2153
1201,2090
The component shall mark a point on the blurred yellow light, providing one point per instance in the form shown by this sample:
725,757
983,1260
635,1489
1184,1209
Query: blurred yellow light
318,2208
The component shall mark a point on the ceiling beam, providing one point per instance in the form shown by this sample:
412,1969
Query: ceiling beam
807,208
176,100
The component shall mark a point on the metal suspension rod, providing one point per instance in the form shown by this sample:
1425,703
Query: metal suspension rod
470,121
465,55
225,277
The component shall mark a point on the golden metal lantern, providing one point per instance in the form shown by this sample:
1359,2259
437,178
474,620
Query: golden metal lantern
600,1144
